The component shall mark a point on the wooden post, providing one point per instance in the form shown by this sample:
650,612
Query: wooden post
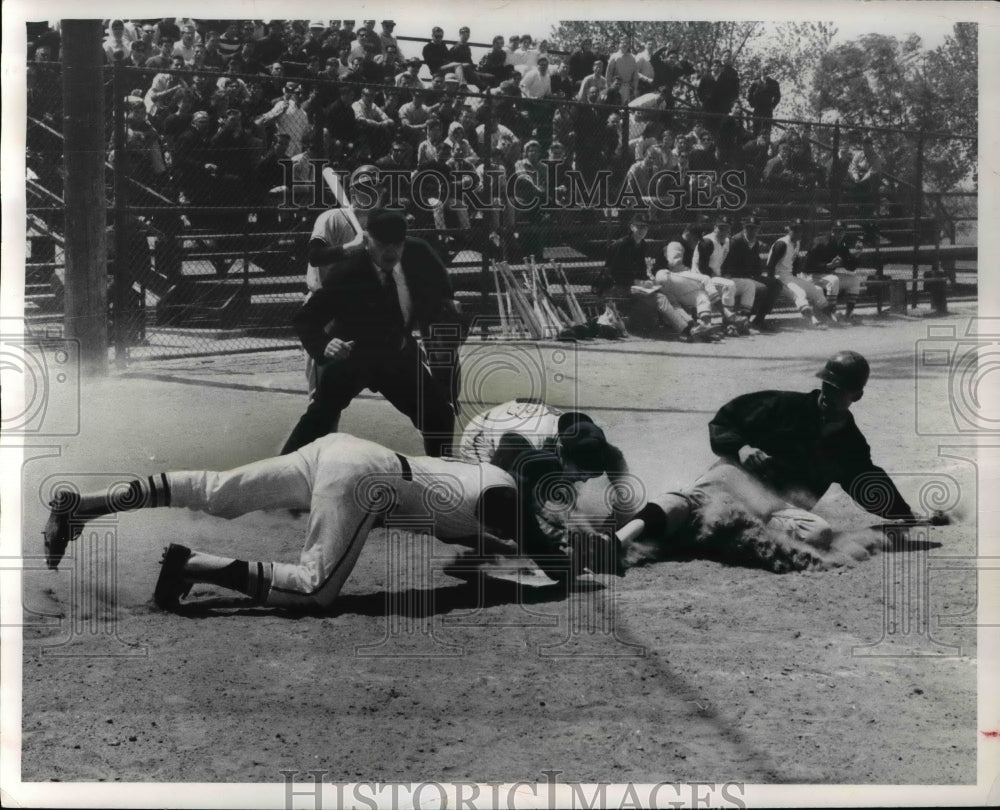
123,262
918,212
86,241
835,178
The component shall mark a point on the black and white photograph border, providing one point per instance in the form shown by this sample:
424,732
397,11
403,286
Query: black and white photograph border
682,619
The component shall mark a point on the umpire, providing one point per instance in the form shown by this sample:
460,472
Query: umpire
359,329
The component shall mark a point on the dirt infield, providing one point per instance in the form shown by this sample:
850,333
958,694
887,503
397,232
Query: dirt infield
680,671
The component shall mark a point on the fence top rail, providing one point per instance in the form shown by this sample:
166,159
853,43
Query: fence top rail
555,101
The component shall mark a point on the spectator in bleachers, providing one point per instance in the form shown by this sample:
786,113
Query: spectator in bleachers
231,41
744,261
179,120
525,57
145,153
409,79
670,69
163,91
801,163
460,57
390,63
461,149
269,172
116,40
588,126
493,67
247,61
778,175
287,116
754,157
413,117
764,94
315,43
294,59
435,52
595,80
732,136
613,94
865,173
536,82
502,142
647,108
640,174
167,28
184,47
375,125
625,264
346,34
727,82
622,66
386,36
427,151
531,174
233,154
192,165
644,142
340,123
704,156
164,57
644,66
270,46
581,64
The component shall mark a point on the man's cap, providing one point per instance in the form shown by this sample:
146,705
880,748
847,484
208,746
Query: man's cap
541,59
838,226
640,218
317,24
464,30
584,445
292,86
388,22
796,223
451,78
846,370
385,225
722,221
414,61
753,222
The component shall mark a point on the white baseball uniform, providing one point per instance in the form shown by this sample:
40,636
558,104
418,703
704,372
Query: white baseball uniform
533,420
349,486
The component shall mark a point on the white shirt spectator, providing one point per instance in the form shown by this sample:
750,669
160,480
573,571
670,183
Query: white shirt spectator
289,119
536,84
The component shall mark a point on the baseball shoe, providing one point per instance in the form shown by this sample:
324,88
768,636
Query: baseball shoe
59,530
171,586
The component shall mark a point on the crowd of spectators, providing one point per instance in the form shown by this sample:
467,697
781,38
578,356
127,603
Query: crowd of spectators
221,104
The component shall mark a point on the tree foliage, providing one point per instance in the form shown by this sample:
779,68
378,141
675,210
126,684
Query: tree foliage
881,81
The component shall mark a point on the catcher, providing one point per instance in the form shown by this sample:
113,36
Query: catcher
779,452
350,486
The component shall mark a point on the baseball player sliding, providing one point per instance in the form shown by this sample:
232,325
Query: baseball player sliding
349,485
779,452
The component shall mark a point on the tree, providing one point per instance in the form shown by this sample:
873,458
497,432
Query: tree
881,81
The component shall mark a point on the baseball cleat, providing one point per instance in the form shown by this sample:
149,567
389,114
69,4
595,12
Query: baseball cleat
171,586
59,531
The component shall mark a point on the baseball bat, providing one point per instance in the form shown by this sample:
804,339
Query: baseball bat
574,303
334,184
520,301
504,327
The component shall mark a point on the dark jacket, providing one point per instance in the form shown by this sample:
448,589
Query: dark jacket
764,96
626,261
824,249
743,260
787,426
352,305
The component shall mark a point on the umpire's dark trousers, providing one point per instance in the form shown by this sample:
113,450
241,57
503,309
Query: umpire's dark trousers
402,377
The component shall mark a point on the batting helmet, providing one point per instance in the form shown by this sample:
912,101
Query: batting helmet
846,370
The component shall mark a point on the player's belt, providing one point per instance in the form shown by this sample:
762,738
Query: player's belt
404,465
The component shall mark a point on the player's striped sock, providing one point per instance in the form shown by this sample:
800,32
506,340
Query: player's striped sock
250,578
141,493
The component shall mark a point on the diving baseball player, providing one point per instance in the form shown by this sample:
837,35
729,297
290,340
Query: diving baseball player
779,452
349,485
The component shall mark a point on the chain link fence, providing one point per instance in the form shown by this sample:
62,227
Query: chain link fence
215,181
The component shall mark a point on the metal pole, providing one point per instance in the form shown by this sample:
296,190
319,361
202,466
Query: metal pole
86,316
122,260
485,268
918,211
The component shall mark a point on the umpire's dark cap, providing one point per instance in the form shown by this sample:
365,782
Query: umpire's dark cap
838,226
752,222
846,370
795,224
584,444
385,225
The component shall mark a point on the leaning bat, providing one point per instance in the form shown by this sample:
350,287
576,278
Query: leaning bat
334,184
937,518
